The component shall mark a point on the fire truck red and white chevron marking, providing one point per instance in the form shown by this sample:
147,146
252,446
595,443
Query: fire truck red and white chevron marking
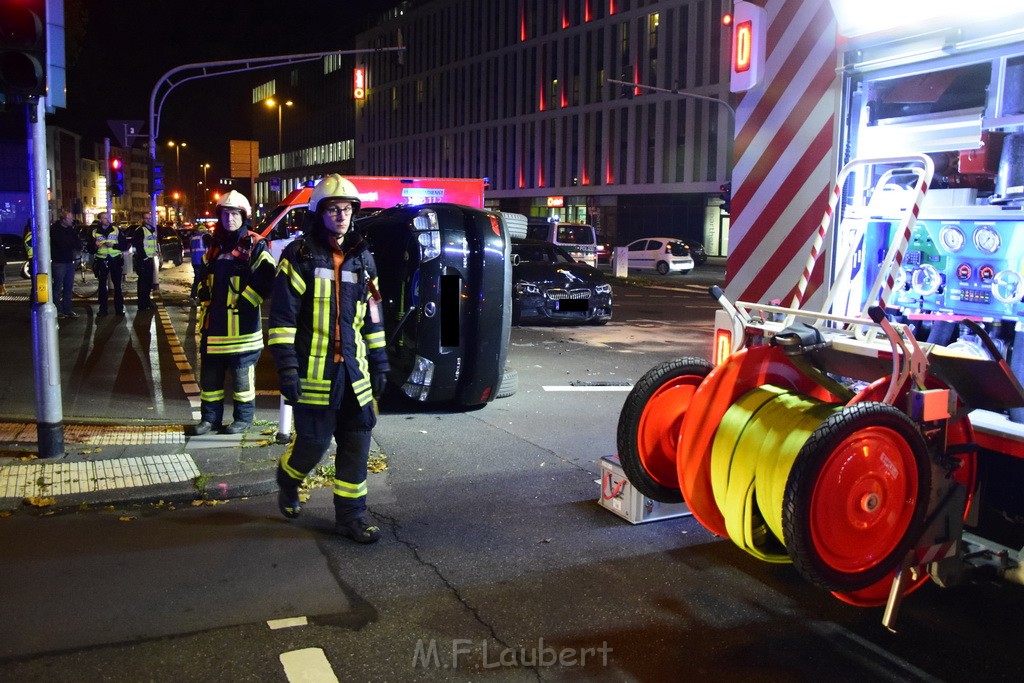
784,153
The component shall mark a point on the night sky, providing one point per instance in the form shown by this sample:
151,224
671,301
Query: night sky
128,45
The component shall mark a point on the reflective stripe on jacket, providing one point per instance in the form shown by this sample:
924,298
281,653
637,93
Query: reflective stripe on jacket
306,316
230,296
108,245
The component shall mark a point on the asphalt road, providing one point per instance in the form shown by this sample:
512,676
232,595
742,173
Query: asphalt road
496,563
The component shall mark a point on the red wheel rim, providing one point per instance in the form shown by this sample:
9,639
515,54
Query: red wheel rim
957,433
658,430
864,499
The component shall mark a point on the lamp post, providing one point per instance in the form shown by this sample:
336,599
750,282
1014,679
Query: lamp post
206,188
271,102
177,159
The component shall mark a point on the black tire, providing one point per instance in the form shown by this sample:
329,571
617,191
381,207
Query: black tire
177,259
627,437
662,268
509,384
25,270
852,422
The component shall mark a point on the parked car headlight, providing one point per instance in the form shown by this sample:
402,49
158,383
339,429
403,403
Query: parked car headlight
603,289
429,237
527,288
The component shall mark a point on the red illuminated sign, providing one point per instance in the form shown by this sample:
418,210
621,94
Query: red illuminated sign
359,83
742,47
556,202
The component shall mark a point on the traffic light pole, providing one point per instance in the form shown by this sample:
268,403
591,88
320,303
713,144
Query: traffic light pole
189,72
45,357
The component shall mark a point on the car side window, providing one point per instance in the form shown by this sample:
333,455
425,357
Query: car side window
654,244
638,246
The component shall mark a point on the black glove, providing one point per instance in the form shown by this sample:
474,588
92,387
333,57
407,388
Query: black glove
377,383
290,389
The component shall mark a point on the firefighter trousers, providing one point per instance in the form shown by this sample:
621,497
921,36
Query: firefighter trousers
213,368
351,426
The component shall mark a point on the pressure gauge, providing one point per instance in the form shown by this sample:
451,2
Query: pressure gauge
899,281
1008,286
987,240
952,238
925,280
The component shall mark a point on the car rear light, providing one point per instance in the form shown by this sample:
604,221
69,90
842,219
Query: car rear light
417,387
429,238
723,346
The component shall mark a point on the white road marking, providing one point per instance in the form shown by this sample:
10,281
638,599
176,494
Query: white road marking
307,666
597,388
290,622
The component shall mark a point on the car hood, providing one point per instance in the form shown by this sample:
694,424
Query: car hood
562,274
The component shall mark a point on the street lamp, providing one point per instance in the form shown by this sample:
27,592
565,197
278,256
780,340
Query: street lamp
177,159
271,102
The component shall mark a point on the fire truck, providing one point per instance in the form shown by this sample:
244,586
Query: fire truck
861,415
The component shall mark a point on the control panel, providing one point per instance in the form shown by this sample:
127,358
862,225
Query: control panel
967,265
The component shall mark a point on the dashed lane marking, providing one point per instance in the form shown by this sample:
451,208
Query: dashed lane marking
307,666
290,622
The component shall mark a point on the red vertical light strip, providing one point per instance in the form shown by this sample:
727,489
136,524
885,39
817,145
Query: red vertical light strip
586,10
522,24
612,9
565,17
565,102
636,79
609,178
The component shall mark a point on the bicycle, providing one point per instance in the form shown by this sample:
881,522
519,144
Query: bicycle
86,285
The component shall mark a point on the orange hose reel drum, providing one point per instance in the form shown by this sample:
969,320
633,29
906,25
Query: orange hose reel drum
742,371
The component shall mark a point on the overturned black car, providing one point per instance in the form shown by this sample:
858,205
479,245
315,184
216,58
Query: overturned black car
445,279
549,286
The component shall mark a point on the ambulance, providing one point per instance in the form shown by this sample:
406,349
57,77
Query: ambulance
280,226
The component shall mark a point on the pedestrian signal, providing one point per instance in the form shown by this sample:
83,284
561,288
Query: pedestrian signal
156,178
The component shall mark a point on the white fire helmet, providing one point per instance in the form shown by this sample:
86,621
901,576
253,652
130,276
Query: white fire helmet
234,200
334,187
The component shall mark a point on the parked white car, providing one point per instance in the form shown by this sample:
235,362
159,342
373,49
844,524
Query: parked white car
663,254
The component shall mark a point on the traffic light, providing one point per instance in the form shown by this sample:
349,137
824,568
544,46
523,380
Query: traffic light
23,48
726,189
116,177
156,177
627,91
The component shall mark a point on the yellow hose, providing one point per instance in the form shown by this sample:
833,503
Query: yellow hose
753,451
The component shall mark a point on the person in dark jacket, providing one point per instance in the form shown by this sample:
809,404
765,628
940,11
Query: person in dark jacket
108,247
327,339
239,276
65,250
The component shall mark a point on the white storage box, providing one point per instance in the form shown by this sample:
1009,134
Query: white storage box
619,496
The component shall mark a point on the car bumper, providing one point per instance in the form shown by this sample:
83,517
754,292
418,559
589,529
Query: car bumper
541,309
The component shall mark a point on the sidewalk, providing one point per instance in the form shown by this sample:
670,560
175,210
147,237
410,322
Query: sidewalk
124,413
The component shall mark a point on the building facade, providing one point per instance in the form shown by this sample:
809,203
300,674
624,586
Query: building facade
517,91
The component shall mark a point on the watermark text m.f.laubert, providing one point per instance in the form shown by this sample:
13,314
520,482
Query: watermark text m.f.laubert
465,653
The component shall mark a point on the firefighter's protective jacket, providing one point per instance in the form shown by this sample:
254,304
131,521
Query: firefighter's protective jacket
238,279
325,320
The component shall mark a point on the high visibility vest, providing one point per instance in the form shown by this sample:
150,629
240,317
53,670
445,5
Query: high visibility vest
148,241
106,245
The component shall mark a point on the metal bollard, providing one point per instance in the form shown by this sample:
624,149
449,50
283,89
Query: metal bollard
284,422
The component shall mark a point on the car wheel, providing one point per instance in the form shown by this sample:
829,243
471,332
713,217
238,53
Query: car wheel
177,259
509,384
662,268
25,271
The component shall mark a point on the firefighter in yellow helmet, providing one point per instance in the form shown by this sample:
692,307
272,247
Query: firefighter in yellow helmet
239,276
327,340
